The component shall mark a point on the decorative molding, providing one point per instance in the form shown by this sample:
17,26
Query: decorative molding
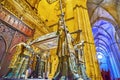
22,10
80,4
33,3
15,23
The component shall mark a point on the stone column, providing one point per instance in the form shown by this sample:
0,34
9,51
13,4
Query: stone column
81,20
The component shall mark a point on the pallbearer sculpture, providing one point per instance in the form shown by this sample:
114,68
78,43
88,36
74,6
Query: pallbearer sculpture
67,67
79,48
20,60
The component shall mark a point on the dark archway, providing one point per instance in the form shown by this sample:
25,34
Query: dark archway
2,48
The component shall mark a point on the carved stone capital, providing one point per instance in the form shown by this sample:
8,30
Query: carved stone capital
79,3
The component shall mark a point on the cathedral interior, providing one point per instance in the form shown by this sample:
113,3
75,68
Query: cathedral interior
60,39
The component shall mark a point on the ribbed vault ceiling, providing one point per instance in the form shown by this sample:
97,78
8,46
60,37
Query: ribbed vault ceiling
111,6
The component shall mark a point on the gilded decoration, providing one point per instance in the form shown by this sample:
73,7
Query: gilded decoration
33,3
22,10
51,1
48,13
15,23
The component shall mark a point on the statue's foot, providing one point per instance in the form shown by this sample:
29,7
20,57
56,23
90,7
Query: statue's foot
76,77
80,79
63,78
40,77
57,76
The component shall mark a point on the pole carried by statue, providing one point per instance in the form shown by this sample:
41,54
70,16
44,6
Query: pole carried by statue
67,68
62,23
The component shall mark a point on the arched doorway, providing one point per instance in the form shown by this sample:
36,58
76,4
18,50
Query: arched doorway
107,49
2,48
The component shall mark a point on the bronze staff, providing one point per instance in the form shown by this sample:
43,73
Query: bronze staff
65,52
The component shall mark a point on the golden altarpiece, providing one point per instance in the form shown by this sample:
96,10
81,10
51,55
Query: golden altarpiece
48,19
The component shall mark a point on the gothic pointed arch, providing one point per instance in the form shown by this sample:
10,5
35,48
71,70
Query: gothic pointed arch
104,35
